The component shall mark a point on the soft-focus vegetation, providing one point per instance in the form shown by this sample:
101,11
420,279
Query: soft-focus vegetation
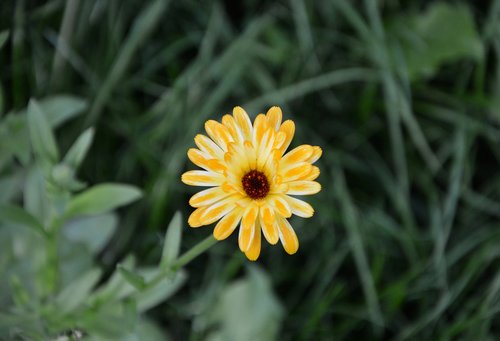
403,97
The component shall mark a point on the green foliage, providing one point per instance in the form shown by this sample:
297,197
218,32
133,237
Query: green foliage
246,309
50,244
402,96
101,199
444,33
172,242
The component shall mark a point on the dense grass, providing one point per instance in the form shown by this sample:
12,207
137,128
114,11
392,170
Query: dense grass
403,97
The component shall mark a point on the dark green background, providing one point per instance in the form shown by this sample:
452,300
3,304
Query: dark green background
403,97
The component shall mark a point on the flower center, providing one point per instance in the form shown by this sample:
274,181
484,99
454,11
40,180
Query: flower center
255,184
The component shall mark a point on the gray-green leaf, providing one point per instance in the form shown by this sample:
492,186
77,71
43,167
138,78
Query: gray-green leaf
161,291
42,138
172,243
16,215
134,279
94,232
101,199
79,149
77,291
428,43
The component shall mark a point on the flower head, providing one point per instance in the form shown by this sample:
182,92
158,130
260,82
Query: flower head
251,180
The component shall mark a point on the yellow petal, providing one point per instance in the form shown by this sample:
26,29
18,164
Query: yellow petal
233,128
253,251
227,225
297,171
249,217
259,128
299,154
313,174
274,116
202,178
265,148
299,207
280,205
208,197
279,139
194,218
216,211
218,133
243,122
208,146
245,237
316,154
303,187
203,160
288,128
268,224
287,236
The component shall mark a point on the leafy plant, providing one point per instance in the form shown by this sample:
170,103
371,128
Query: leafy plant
49,246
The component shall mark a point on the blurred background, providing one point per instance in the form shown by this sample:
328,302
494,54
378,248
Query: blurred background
403,97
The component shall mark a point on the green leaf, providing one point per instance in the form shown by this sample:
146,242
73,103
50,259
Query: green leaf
245,309
94,232
79,149
11,185
20,294
116,287
444,33
60,109
77,291
134,279
42,138
16,215
36,198
172,243
101,199
161,291
4,36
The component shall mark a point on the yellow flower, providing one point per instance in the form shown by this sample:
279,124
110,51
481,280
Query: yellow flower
251,179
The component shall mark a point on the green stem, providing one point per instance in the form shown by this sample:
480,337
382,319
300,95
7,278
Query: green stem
197,250
184,259
52,262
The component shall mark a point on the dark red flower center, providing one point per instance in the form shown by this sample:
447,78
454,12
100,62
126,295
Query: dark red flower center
255,184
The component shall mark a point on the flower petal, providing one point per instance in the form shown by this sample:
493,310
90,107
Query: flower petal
303,187
219,133
232,127
265,148
202,178
268,224
245,237
203,160
253,251
274,117
194,218
243,122
208,146
287,236
216,211
249,217
299,207
280,205
208,197
299,154
288,127
296,171
259,128
313,174
316,154
227,225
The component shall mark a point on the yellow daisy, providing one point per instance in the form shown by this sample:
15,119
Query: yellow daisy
251,179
